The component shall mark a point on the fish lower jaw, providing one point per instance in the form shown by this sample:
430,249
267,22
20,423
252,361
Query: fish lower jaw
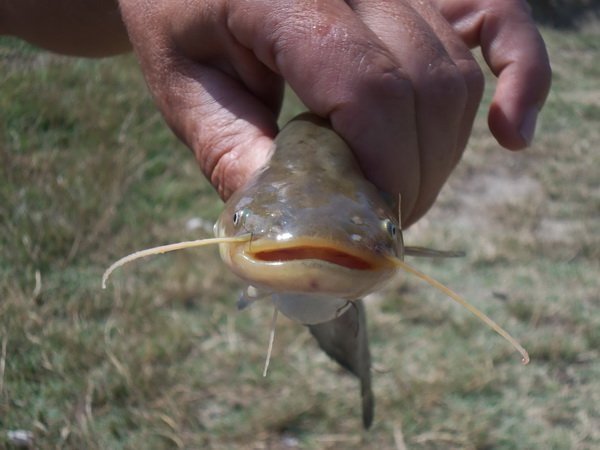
308,276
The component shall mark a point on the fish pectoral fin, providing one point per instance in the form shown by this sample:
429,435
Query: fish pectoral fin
249,295
345,340
432,253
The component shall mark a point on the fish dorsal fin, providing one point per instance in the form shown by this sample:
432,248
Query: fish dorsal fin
432,253
400,211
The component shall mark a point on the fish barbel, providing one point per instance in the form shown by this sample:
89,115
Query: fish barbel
312,234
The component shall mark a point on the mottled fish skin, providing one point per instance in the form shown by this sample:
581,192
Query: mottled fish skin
312,194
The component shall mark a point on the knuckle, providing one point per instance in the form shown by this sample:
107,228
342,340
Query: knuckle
225,173
229,159
379,77
214,151
446,86
376,72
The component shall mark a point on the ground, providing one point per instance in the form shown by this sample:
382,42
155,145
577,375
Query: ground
163,360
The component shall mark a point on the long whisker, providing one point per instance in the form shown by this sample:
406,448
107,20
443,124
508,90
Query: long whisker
457,298
271,340
170,248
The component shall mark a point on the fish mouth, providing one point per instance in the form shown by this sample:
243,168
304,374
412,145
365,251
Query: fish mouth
317,250
329,255
310,265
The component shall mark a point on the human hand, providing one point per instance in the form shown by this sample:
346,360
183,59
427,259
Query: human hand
396,81
515,52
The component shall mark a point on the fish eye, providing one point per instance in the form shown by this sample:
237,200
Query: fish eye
236,218
391,228
239,216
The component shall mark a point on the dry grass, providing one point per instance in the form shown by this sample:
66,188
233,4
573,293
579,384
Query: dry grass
163,359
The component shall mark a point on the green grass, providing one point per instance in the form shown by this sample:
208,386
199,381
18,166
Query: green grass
162,359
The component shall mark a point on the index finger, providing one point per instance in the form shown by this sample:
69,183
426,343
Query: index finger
341,70
515,52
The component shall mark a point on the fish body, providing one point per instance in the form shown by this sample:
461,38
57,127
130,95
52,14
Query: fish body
322,235
322,238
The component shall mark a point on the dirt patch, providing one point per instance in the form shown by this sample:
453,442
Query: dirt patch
485,197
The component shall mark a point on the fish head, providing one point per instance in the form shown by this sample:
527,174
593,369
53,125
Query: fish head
317,225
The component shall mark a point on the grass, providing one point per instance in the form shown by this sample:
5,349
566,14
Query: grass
163,360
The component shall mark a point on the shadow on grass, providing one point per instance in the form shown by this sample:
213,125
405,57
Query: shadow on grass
564,13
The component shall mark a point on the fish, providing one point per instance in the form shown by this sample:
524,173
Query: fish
322,235
311,234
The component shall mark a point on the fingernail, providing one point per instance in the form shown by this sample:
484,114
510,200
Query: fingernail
527,129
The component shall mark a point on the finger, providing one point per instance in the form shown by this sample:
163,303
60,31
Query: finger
341,70
471,73
223,107
229,129
515,52
443,108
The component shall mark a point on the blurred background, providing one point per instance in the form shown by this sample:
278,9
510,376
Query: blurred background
162,359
